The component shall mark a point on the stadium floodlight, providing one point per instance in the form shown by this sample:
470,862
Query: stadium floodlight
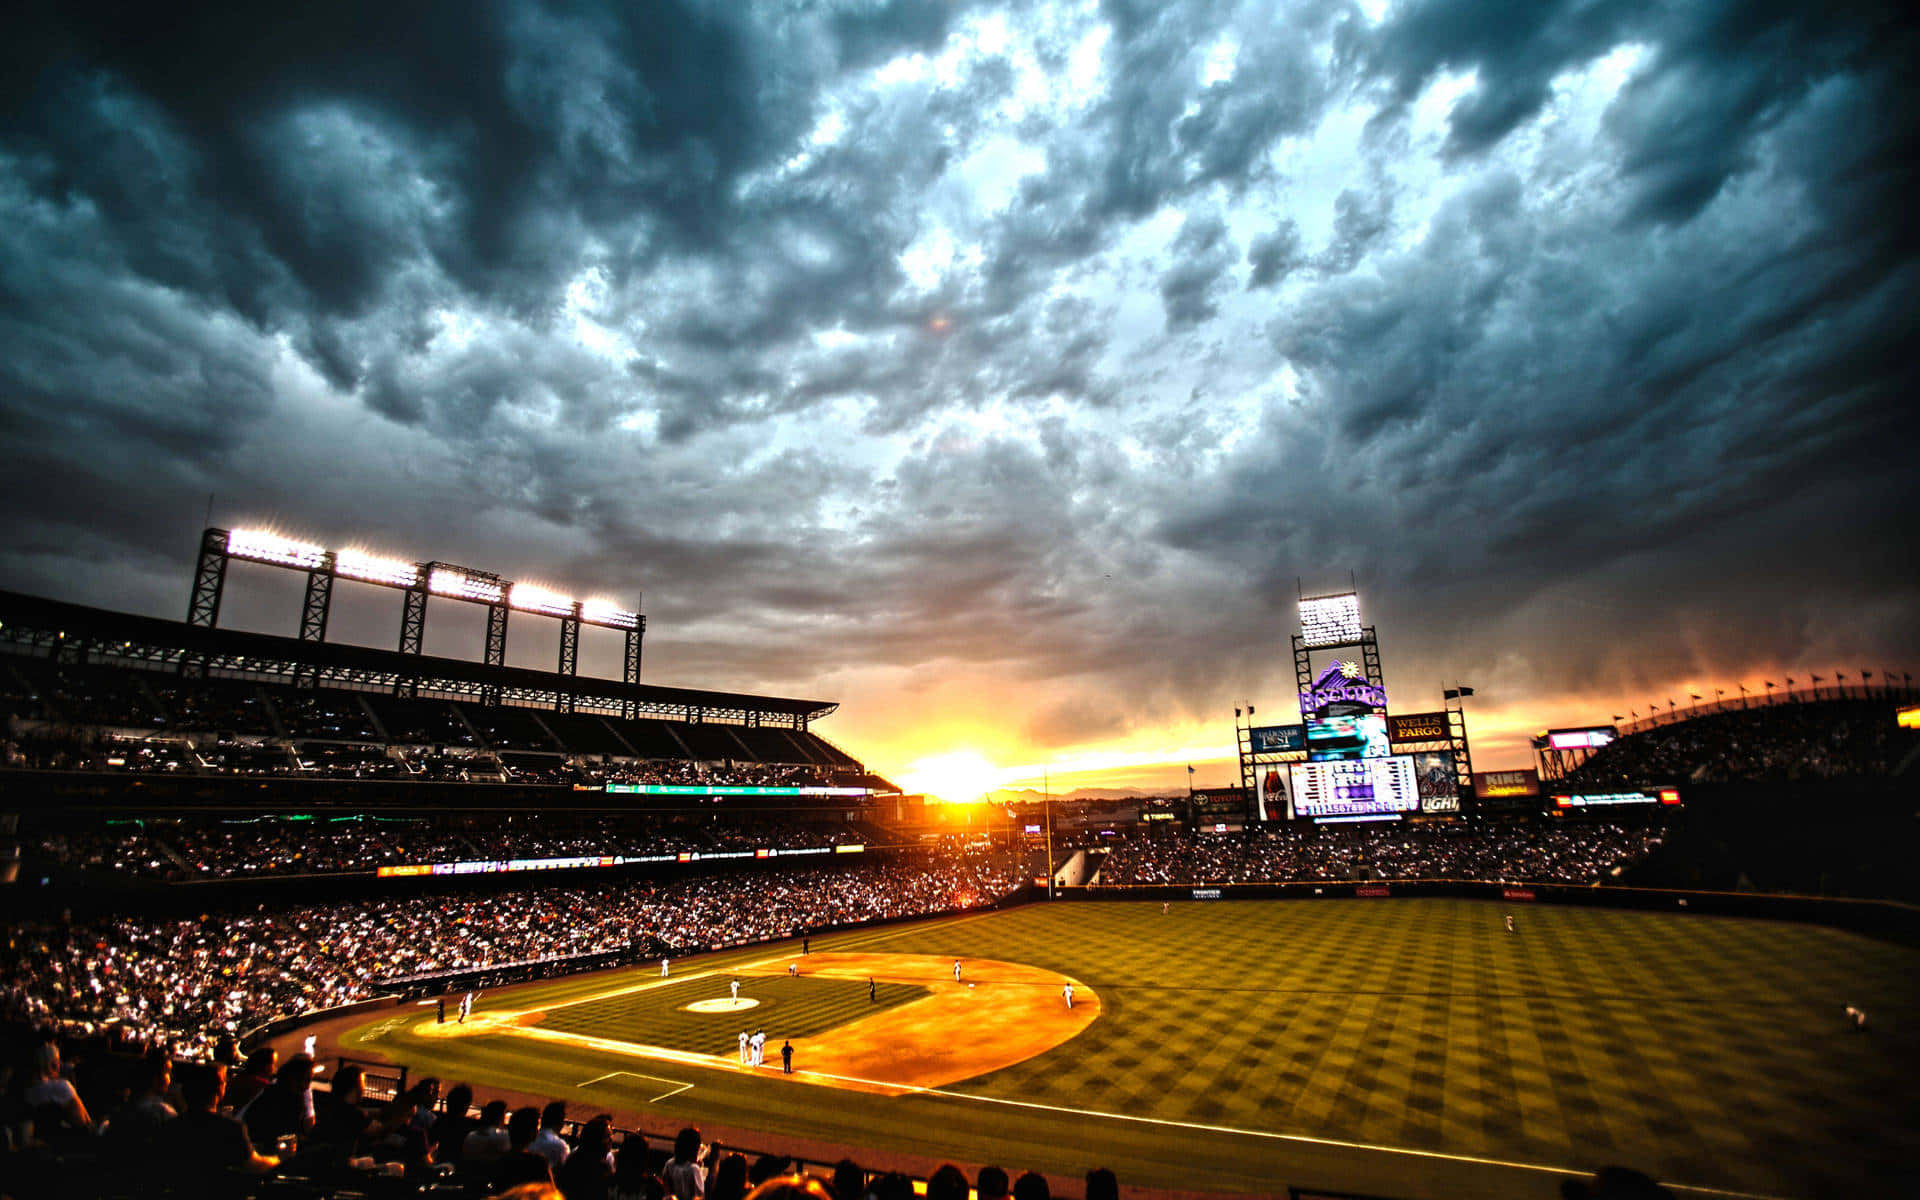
260,545
454,582
600,611
358,564
531,597
1330,620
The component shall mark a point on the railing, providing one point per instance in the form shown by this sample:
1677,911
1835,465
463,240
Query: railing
1743,701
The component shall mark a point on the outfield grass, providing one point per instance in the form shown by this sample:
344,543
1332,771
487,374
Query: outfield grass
1402,1047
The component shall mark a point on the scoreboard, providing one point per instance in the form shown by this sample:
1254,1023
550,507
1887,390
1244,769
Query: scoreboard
1355,788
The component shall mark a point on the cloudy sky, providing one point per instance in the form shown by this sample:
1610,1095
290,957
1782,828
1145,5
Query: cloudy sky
999,371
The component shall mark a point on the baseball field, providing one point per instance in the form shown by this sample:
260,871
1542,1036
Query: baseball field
1406,1048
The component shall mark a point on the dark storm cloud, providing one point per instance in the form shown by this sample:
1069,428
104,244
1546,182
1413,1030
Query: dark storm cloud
1273,256
872,335
1202,253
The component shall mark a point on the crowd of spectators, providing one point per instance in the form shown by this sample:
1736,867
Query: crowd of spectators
91,749
224,848
80,1117
1577,854
1832,739
182,983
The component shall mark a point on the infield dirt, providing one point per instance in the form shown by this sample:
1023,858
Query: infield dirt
996,1015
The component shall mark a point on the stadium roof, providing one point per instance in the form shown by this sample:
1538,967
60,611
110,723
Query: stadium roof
101,635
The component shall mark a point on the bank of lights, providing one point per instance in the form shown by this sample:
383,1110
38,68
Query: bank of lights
451,581
260,545
529,597
265,546
358,564
605,612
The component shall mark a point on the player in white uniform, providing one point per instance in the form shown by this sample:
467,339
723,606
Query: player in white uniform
1509,922
733,986
743,1047
956,970
307,1046
1067,993
466,1006
758,1045
663,966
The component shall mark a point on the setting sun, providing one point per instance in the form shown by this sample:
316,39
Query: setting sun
960,777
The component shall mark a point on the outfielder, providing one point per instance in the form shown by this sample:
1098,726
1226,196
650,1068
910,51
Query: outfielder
956,970
1067,993
663,966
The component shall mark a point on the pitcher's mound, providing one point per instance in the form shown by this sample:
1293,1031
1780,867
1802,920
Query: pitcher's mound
721,1005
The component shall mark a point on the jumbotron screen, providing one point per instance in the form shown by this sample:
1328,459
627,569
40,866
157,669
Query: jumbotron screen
1359,736
1355,788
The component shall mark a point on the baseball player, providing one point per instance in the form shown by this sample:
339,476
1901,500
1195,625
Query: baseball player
308,1045
663,966
871,998
1857,1017
793,970
733,986
466,1006
1509,922
956,970
786,1057
758,1045
1067,993
743,1047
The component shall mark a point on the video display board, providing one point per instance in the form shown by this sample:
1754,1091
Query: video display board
1330,620
1277,739
1350,788
1417,727
1439,786
1360,735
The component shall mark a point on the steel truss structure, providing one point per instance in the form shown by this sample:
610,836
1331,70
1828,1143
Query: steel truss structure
219,547
79,634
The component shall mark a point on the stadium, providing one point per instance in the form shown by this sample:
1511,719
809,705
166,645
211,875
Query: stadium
424,925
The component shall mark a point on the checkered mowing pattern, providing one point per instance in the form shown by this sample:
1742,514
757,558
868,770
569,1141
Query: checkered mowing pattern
1707,1051
1704,1050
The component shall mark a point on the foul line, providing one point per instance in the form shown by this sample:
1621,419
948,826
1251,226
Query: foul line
682,1087
1308,1139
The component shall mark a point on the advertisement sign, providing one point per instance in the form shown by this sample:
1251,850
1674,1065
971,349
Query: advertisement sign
1330,620
1439,785
1590,738
1270,796
1330,738
1418,727
1373,890
1506,783
1354,788
1277,739
1341,683
1514,893
1599,799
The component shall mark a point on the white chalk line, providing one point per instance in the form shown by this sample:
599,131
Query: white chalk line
677,1089
1270,1135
